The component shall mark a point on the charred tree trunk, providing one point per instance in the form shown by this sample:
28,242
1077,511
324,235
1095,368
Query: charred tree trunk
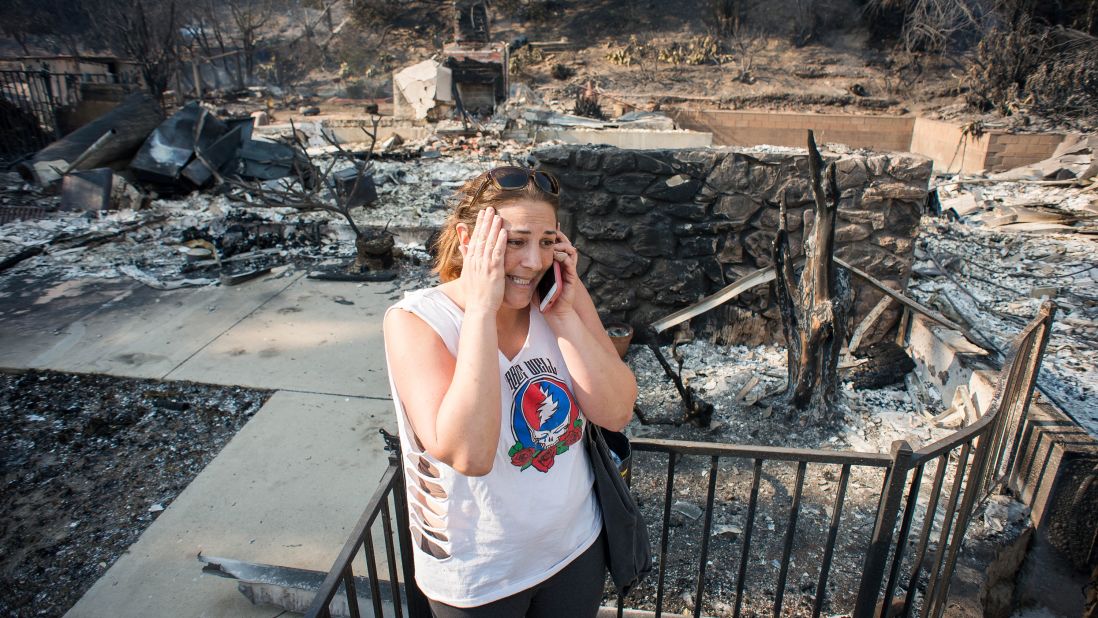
815,307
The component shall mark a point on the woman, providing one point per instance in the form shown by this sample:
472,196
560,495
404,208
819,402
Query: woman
492,397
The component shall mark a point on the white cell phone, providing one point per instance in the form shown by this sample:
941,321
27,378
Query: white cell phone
549,287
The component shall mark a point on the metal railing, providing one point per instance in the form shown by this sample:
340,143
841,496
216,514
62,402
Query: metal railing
338,594
31,102
890,580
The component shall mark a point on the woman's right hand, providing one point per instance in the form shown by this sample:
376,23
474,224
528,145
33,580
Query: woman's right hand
482,271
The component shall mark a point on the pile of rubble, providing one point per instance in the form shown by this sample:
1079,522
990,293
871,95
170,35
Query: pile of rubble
740,380
195,199
199,200
1057,195
1006,241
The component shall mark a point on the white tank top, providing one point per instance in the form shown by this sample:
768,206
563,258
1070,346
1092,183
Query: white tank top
480,539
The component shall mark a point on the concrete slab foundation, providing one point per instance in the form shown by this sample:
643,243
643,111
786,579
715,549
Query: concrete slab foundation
316,336
123,328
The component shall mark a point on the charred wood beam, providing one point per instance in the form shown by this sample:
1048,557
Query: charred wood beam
768,274
97,146
867,323
759,277
24,254
908,302
697,411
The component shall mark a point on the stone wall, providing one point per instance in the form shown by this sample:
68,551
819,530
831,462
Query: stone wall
659,229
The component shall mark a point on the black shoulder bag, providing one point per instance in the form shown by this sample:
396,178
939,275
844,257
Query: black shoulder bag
628,553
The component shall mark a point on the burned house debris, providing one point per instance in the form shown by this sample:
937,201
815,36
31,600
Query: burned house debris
471,77
478,66
835,347
112,137
658,231
256,213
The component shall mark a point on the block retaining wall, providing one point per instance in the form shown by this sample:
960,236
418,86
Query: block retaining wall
943,142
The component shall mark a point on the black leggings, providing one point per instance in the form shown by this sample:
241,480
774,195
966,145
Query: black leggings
576,590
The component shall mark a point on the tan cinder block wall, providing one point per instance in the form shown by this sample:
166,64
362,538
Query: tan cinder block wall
994,151
944,143
740,128
1005,151
941,141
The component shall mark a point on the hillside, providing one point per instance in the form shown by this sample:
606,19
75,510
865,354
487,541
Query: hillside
823,55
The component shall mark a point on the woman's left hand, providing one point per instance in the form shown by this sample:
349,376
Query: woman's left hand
565,254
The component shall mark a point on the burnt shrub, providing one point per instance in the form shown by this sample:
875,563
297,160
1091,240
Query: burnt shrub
1068,85
1036,69
562,71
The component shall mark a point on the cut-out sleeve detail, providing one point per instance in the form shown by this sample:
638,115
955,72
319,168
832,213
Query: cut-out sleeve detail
429,546
428,481
423,466
426,497
428,517
432,489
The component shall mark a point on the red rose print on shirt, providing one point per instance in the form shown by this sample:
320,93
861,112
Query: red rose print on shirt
544,460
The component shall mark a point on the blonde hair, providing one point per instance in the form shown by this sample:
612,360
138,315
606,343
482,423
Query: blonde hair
448,259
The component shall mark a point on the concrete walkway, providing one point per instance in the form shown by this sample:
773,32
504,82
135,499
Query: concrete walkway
291,484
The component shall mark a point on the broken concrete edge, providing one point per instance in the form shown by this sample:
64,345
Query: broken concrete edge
1058,459
984,583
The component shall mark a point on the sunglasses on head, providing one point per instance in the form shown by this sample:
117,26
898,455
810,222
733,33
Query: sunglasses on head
512,178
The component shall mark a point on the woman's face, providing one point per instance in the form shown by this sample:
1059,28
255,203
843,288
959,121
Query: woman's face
531,233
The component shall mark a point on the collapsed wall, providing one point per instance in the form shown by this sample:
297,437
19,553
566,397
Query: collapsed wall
659,229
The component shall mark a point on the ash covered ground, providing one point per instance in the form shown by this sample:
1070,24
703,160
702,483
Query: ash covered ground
88,461
868,421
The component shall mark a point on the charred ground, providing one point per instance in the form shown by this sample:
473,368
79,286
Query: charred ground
87,462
